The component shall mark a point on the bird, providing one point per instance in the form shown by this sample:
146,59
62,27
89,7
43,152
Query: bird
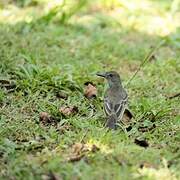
115,98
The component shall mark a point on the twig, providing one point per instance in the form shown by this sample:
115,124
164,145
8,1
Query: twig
147,58
174,96
84,135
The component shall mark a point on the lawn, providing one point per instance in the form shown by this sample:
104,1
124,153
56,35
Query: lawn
50,51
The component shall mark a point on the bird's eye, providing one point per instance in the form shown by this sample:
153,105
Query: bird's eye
110,75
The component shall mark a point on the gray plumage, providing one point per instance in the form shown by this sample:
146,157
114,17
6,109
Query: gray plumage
115,99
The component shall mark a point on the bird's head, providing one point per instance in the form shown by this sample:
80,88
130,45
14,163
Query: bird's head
112,77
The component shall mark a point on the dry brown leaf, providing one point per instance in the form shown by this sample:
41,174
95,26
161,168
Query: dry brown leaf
90,90
173,95
63,128
79,150
75,158
127,116
146,129
67,111
46,118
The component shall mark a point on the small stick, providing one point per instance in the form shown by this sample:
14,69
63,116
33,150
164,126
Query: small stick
147,58
174,96
84,135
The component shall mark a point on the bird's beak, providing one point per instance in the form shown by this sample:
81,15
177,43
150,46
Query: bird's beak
101,74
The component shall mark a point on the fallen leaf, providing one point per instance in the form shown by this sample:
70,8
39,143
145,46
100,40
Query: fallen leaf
90,90
174,96
145,128
79,150
63,128
128,113
68,110
46,118
142,143
75,158
127,116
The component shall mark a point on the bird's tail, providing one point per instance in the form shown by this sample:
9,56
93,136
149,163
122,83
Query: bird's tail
111,121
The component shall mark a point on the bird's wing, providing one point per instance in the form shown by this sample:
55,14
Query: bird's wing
117,108
108,107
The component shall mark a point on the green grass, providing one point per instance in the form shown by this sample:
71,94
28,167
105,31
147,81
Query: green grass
43,58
